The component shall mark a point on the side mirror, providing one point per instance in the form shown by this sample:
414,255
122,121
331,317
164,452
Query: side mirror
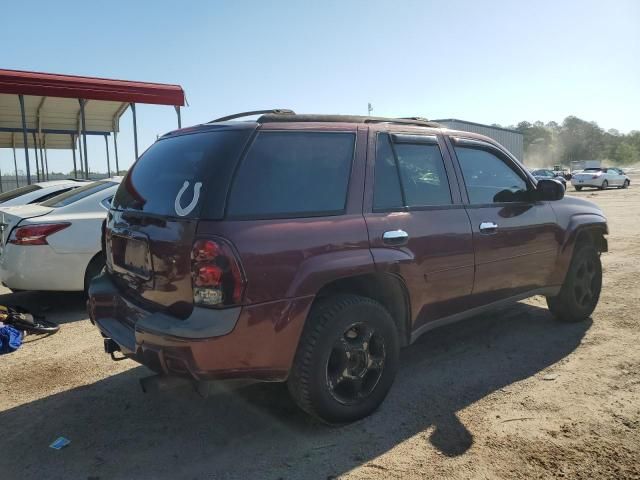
548,189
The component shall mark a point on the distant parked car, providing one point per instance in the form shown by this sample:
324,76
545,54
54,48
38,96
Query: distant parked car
549,175
55,245
601,178
37,192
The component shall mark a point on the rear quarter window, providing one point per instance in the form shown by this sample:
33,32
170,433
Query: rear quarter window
293,174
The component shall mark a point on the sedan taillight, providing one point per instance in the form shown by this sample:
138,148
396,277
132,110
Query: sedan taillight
216,276
35,234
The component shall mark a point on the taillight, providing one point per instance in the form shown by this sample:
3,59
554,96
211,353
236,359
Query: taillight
216,276
35,234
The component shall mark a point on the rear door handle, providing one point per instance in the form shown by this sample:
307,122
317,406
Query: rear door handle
488,227
395,237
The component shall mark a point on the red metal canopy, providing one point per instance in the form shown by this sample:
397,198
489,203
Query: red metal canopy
89,88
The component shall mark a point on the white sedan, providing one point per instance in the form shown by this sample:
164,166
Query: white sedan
55,245
600,178
38,192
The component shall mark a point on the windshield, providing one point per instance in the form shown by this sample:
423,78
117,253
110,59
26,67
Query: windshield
76,194
592,169
10,195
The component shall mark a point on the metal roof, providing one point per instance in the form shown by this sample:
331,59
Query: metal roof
89,88
49,111
55,119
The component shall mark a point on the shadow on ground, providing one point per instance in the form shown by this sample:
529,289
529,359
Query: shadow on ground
256,432
59,307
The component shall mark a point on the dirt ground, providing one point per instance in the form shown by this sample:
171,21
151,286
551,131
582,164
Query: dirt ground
512,394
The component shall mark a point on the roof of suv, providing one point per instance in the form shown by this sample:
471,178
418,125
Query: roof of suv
284,116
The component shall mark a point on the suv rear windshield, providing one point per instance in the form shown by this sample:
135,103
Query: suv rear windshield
75,194
186,171
10,195
293,174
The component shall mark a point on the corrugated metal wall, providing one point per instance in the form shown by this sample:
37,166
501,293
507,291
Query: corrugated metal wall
510,139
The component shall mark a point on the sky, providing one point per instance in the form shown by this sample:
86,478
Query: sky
483,61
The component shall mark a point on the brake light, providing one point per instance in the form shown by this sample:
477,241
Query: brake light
216,276
35,234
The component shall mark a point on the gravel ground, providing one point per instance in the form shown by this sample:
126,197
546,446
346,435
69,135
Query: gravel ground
512,394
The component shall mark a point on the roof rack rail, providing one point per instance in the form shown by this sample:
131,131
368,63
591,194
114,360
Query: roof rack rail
405,121
292,117
275,111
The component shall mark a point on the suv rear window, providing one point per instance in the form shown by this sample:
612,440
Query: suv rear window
291,174
178,164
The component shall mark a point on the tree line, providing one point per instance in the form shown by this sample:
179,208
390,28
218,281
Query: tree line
552,143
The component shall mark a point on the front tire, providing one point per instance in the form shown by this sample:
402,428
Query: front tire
580,291
346,360
625,184
604,185
578,188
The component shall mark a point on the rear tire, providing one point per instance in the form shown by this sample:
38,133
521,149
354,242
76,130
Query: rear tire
604,185
346,361
96,265
580,291
578,188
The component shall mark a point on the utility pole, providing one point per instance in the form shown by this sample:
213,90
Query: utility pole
369,108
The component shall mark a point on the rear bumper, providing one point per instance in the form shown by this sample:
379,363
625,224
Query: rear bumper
587,183
257,341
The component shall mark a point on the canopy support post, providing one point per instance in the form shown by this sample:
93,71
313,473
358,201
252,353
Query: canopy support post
46,159
43,168
35,151
15,161
135,129
106,146
115,148
73,149
84,137
177,107
24,136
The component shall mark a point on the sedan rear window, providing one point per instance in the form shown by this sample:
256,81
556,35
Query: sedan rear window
76,194
10,195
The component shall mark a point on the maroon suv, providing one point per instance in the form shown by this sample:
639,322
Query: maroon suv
310,248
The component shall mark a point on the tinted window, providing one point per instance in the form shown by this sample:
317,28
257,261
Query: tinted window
293,173
386,190
171,169
10,195
424,178
50,195
489,179
76,194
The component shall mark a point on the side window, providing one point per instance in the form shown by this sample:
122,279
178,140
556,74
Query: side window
424,178
489,179
386,190
287,174
422,173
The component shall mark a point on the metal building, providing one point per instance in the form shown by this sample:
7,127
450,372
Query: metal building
512,140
